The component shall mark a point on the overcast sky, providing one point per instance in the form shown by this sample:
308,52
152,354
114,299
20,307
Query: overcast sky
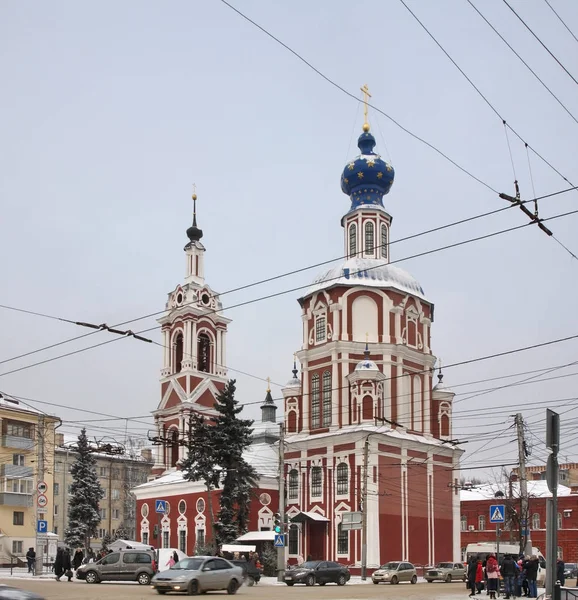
111,110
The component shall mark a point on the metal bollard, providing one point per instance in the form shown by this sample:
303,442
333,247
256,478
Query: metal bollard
557,591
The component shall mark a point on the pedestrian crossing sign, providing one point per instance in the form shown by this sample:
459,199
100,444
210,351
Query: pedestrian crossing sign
497,513
279,540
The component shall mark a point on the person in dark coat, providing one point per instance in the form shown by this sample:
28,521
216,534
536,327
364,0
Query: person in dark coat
77,558
532,575
67,564
472,570
175,557
508,571
31,559
560,571
59,564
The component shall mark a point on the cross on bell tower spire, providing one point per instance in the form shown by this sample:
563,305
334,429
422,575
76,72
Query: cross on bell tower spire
366,95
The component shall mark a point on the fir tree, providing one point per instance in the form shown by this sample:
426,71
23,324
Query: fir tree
85,494
106,541
231,436
121,533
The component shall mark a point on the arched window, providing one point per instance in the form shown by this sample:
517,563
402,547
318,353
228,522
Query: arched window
342,479
536,521
316,482
292,421
384,241
178,343
352,239
315,412
293,491
320,328
559,520
417,406
444,425
464,523
326,399
367,408
482,523
204,353
174,447
369,241
342,540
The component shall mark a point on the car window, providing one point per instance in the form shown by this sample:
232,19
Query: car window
143,558
129,558
407,566
221,564
458,566
310,564
333,565
390,565
110,559
210,565
188,564
322,565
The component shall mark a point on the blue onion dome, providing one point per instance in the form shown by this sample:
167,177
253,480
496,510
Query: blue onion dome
367,178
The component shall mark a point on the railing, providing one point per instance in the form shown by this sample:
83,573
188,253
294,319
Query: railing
13,441
13,499
15,471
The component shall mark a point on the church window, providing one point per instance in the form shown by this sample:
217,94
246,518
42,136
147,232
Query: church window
384,241
536,521
559,520
316,482
369,242
174,447
367,408
417,405
183,540
293,491
342,540
482,523
292,421
352,239
342,479
326,399
445,425
204,353
315,421
293,539
178,352
464,523
320,328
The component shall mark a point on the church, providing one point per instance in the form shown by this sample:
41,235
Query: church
369,461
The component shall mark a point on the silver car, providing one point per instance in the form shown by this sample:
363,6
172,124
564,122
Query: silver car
395,572
446,571
199,574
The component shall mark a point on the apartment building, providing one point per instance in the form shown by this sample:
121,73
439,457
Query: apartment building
26,442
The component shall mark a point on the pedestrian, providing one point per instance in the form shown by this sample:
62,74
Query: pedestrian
493,573
559,571
479,578
472,569
171,562
67,564
31,559
77,558
532,575
300,559
175,557
58,564
508,571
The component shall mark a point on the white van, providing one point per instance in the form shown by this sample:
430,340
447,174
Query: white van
483,549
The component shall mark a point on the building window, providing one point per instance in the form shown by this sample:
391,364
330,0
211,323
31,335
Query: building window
200,537
464,523
178,344
384,241
316,482
18,460
16,547
320,328
535,521
560,553
294,539
559,520
58,466
166,539
182,507
369,242
342,479
116,494
342,540
102,533
56,510
293,492
102,513
55,529
145,538
56,489
315,421
352,239
17,518
204,353
115,513
104,493
103,471
482,523
326,399
19,486
18,429
183,541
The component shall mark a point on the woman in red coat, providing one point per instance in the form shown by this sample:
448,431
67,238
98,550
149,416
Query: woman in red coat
479,577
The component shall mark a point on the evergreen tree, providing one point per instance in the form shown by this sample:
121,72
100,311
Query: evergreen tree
231,436
121,533
85,494
106,541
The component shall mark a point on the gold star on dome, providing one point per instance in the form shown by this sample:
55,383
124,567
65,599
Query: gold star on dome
388,167
360,175
370,162
380,175
350,166
365,191
369,197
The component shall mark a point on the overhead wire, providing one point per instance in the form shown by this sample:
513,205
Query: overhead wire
561,20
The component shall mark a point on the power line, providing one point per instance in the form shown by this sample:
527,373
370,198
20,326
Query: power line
523,61
347,93
541,43
561,20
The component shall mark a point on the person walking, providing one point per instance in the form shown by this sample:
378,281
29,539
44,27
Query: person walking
77,558
472,570
532,575
67,564
493,574
479,577
31,560
508,571
170,562
175,557
559,571
58,564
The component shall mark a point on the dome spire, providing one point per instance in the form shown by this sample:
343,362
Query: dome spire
194,233
366,95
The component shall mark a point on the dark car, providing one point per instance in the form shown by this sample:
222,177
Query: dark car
570,570
318,571
125,565
11,593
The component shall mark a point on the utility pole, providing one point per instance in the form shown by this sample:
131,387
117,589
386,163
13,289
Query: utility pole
40,538
364,511
553,445
281,550
525,541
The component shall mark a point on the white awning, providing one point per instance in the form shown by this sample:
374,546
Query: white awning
238,548
313,516
257,536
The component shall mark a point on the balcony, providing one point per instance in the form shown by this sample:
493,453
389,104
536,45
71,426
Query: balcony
22,443
15,471
10,499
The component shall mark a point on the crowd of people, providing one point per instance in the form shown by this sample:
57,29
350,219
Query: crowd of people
519,576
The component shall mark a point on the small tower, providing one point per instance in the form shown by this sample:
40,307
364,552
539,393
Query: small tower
195,251
292,396
268,408
442,401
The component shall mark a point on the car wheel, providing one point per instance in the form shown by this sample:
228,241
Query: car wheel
394,580
193,588
448,579
310,580
143,578
322,582
414,579
376,582
232,587
289,583
341,580
91,577
429,580
161,591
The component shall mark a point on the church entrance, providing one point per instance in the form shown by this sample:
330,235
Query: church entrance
316,536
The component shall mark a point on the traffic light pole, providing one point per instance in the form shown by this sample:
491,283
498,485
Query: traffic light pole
281,551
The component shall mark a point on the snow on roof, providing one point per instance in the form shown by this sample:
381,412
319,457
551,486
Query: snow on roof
368,272
257,536
536,489
13,404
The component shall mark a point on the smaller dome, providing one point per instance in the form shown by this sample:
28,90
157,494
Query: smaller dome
366,365
293,382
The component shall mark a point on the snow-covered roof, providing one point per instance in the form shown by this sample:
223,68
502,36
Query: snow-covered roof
265,428
169,478
368,272
257,536
536,489
13,404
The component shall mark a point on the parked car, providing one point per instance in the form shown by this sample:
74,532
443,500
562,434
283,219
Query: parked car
446,571
394,572
318,571
125,565
570,570
11,593
199,574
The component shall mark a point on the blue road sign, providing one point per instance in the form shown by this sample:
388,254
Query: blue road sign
41,526
497,513
279,541
161,506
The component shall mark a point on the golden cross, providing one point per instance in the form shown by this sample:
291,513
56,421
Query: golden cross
194,203
366,95
268,384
